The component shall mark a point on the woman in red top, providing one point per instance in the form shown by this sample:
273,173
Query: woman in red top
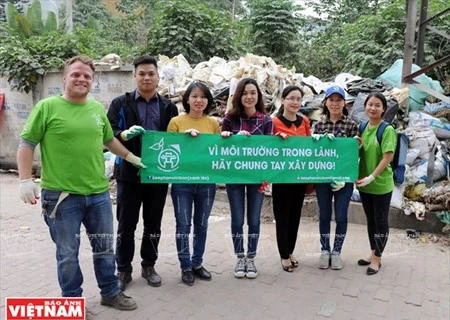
288,197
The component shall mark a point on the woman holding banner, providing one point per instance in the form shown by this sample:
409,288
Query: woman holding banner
247,117
197,102
376,181
288,198
335,124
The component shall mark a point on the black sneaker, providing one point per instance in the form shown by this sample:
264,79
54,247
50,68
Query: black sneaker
120,301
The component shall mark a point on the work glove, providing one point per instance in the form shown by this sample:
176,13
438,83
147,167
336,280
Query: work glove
135,161
29,191
330,136
337,185
134,131
364,181
283,135
360,142
244,132
226,134
192,132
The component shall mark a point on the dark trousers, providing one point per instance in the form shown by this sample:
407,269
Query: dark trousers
130,196
376,207
287,200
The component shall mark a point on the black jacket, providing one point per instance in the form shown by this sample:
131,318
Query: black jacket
122,115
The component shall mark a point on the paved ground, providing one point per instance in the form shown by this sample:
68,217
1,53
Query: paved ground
412,284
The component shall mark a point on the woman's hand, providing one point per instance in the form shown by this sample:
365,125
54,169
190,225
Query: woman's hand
226,134
192,132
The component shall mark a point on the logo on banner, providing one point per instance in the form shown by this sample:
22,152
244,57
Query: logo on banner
45,308
168,159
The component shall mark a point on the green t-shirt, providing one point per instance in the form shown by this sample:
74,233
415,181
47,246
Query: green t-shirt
71,138
371,154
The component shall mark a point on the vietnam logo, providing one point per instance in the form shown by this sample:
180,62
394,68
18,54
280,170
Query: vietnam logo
169,158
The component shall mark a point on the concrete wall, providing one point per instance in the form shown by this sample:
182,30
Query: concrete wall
107,85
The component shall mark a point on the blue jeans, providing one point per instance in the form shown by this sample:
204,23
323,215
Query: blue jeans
236,197
95,213
342,197
184,197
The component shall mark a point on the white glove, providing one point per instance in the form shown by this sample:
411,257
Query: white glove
283,135
244,132
29,191
135,161
226,134
364,181
316,137
192,132
330,136
337,185
134,131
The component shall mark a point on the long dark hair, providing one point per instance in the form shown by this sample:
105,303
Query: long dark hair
285,93
206,92
380,96
238,109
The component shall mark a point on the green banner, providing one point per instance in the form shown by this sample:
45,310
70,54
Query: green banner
209,158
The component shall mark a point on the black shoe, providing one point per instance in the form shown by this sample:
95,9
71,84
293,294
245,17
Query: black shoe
124,279
362,262
187,277
371,271
153,279
202,273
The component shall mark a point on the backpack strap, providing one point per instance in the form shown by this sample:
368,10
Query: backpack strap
362,126
380,131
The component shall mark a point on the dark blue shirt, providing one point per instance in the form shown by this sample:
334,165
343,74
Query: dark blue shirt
149,116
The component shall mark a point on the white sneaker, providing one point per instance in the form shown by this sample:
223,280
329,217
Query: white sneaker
239,270
251,269
324,260
336,261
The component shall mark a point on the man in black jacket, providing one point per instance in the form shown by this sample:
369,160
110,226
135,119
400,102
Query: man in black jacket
131,115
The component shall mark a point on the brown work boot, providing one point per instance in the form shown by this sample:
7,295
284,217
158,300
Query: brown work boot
120,301
153,279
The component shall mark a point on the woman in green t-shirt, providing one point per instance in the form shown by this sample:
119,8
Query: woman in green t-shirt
376,182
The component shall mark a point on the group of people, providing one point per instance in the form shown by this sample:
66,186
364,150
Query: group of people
73,130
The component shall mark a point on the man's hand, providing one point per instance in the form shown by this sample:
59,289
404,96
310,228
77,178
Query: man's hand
135,161
29,191
337,185
134,131
364,181
226,134
283,135
192,132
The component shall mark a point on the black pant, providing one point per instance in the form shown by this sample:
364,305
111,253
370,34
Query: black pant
376,207
130,196
287,200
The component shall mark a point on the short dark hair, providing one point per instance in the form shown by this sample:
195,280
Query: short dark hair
285,93
238,109
380,96
81,58
206,92
145,59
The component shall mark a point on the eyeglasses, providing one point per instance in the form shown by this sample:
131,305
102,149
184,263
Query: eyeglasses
292,99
